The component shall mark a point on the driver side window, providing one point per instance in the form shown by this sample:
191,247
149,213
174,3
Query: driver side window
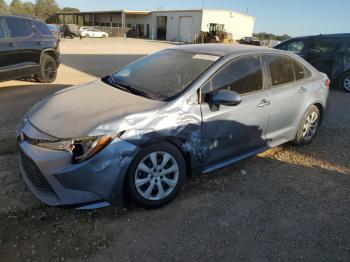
296,47
242,75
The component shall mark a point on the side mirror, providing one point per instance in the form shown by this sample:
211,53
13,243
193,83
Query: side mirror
224,97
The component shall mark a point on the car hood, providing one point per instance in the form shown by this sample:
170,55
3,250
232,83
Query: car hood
95,108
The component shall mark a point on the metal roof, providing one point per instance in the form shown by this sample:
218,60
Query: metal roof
132,12
146,12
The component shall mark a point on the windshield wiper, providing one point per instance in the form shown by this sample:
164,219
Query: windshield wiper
129,89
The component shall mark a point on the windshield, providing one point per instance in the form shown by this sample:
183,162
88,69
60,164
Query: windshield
163,74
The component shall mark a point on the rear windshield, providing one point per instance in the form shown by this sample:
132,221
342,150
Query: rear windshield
164,74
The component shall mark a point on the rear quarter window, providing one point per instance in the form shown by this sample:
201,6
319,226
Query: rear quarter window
42,28
281,69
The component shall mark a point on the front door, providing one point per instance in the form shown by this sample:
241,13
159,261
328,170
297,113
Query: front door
234,131
8,53
161,27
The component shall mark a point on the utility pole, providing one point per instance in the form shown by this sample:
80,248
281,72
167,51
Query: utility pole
203,4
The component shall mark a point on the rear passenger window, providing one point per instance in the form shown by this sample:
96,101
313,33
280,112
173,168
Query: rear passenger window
323,48
42,28
19,27
281,69
242,75
301,71
4,32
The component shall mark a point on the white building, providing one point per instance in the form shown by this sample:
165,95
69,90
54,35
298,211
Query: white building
170,25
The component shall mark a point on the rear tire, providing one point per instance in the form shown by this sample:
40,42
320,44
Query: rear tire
48,70
156,175
308,126
344,82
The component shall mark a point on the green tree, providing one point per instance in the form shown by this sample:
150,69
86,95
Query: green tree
266,36
3,6
45,9
26,8
70,9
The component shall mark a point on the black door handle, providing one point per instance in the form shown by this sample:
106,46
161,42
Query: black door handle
38,43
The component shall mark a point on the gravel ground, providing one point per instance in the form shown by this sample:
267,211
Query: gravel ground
288,204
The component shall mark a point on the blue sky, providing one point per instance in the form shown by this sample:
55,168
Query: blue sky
294,17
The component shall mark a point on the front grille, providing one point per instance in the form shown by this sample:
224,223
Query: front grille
35,177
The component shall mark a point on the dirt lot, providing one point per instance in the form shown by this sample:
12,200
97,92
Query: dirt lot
287,204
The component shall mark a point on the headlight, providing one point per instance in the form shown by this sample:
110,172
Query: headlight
80,148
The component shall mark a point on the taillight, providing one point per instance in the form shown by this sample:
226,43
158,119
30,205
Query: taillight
328,83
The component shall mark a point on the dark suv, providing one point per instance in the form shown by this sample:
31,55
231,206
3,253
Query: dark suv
329,54
27,48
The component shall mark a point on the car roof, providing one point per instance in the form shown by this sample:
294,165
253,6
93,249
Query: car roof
345,35
22,16
224,49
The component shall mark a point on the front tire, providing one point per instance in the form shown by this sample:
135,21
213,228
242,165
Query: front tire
344,82
308,126
156,175
48,70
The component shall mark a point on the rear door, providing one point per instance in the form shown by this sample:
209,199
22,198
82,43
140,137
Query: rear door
28,44
8,52
234,131
322,53
288,90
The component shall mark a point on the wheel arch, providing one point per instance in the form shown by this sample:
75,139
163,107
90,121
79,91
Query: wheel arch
339,78
49,51
178,143
321,109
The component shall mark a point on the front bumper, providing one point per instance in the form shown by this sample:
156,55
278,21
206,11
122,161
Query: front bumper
99,181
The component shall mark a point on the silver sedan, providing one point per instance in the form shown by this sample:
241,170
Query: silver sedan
137,133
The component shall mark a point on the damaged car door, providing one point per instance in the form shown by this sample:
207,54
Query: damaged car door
233,131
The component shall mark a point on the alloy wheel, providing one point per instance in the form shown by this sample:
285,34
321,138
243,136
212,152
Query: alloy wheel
50,70
310,126
346,83
156,175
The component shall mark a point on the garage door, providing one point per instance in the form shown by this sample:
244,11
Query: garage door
185,28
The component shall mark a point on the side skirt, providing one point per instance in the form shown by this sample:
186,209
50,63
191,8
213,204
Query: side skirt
234,160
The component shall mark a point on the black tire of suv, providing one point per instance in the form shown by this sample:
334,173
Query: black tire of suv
341,82
134,196
48,70
299,139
